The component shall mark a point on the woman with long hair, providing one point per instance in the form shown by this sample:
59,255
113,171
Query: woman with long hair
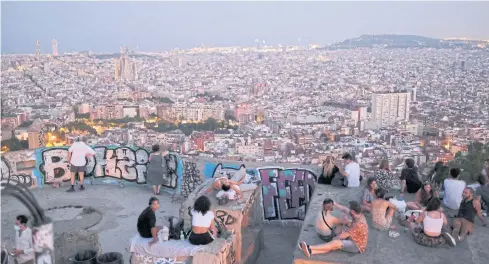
203,228
384,177
423,197
329,171
427,229
157,169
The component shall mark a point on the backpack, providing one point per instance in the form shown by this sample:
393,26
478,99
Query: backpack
176,227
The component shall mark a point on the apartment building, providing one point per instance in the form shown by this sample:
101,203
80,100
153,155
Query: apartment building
389,108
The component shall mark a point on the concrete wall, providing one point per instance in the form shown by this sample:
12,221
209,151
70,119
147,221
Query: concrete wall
286,189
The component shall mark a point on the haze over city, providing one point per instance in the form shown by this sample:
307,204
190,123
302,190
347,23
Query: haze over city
155,26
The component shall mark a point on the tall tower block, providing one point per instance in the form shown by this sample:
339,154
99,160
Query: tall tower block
55,47
38,49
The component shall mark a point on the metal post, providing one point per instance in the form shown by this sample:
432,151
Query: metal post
43,236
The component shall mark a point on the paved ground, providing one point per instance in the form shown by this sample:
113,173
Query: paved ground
120,208
280,243
384,249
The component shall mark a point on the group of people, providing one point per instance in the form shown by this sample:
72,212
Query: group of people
430,228
203,227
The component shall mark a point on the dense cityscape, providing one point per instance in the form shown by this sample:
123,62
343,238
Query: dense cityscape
269,104
244,132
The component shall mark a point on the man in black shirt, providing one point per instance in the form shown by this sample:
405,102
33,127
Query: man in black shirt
147,221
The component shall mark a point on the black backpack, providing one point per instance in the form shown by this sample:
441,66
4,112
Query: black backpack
176,227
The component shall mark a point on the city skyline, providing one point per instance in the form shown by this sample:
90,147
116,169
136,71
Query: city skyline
187,25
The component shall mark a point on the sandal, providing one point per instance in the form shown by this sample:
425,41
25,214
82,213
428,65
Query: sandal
305,248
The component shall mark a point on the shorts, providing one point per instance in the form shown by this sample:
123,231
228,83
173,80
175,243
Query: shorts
428,241
327,238
349,246
200,239
383,224
76,169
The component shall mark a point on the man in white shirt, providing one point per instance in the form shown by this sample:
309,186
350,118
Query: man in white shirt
77,154
351,172
24,247
453,189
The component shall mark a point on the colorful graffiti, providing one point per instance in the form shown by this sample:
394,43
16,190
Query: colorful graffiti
117,162
190,178
286,192
8,177
234,172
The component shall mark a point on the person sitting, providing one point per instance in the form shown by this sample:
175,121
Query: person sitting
482,192
385,178
353,240
453,189
147,221
463,224
369,194
231,191
329,171
430,233
382,211
410,178
202,222
423,197
438,174
351,171
326,222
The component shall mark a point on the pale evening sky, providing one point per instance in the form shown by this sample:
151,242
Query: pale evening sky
157,26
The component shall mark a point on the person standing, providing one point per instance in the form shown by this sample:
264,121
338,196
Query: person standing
157,169
24,247
351,171
147,221
77,157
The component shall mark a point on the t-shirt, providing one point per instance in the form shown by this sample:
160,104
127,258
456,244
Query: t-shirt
353,171
200,220
359,233
453,193
146,221
78,152
410,175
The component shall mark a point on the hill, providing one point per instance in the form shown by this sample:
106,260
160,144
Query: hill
390,41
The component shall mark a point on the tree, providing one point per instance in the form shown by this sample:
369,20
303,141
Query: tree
472,162
211,124
15,144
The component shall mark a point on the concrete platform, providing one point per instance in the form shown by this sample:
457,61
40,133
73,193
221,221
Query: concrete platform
382,248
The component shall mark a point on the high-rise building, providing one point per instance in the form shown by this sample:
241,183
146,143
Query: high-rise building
38,49
55,47
388,108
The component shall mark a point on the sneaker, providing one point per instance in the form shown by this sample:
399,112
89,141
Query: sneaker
72,189
82,188
450,240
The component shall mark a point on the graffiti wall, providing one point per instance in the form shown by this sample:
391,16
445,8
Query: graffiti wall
9,176
121,163
285,192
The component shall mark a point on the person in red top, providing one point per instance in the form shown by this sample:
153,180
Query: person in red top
353,240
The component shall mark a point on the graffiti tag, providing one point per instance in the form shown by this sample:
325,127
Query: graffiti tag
225,218
190,178
286,192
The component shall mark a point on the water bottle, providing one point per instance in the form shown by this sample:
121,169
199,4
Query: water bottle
166,233
182,236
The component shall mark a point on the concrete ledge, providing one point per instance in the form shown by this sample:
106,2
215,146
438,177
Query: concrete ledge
252,242
234,215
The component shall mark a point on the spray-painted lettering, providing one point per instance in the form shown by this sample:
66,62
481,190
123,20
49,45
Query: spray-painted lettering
286,192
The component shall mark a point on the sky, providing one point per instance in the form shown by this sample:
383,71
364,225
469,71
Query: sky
158,26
